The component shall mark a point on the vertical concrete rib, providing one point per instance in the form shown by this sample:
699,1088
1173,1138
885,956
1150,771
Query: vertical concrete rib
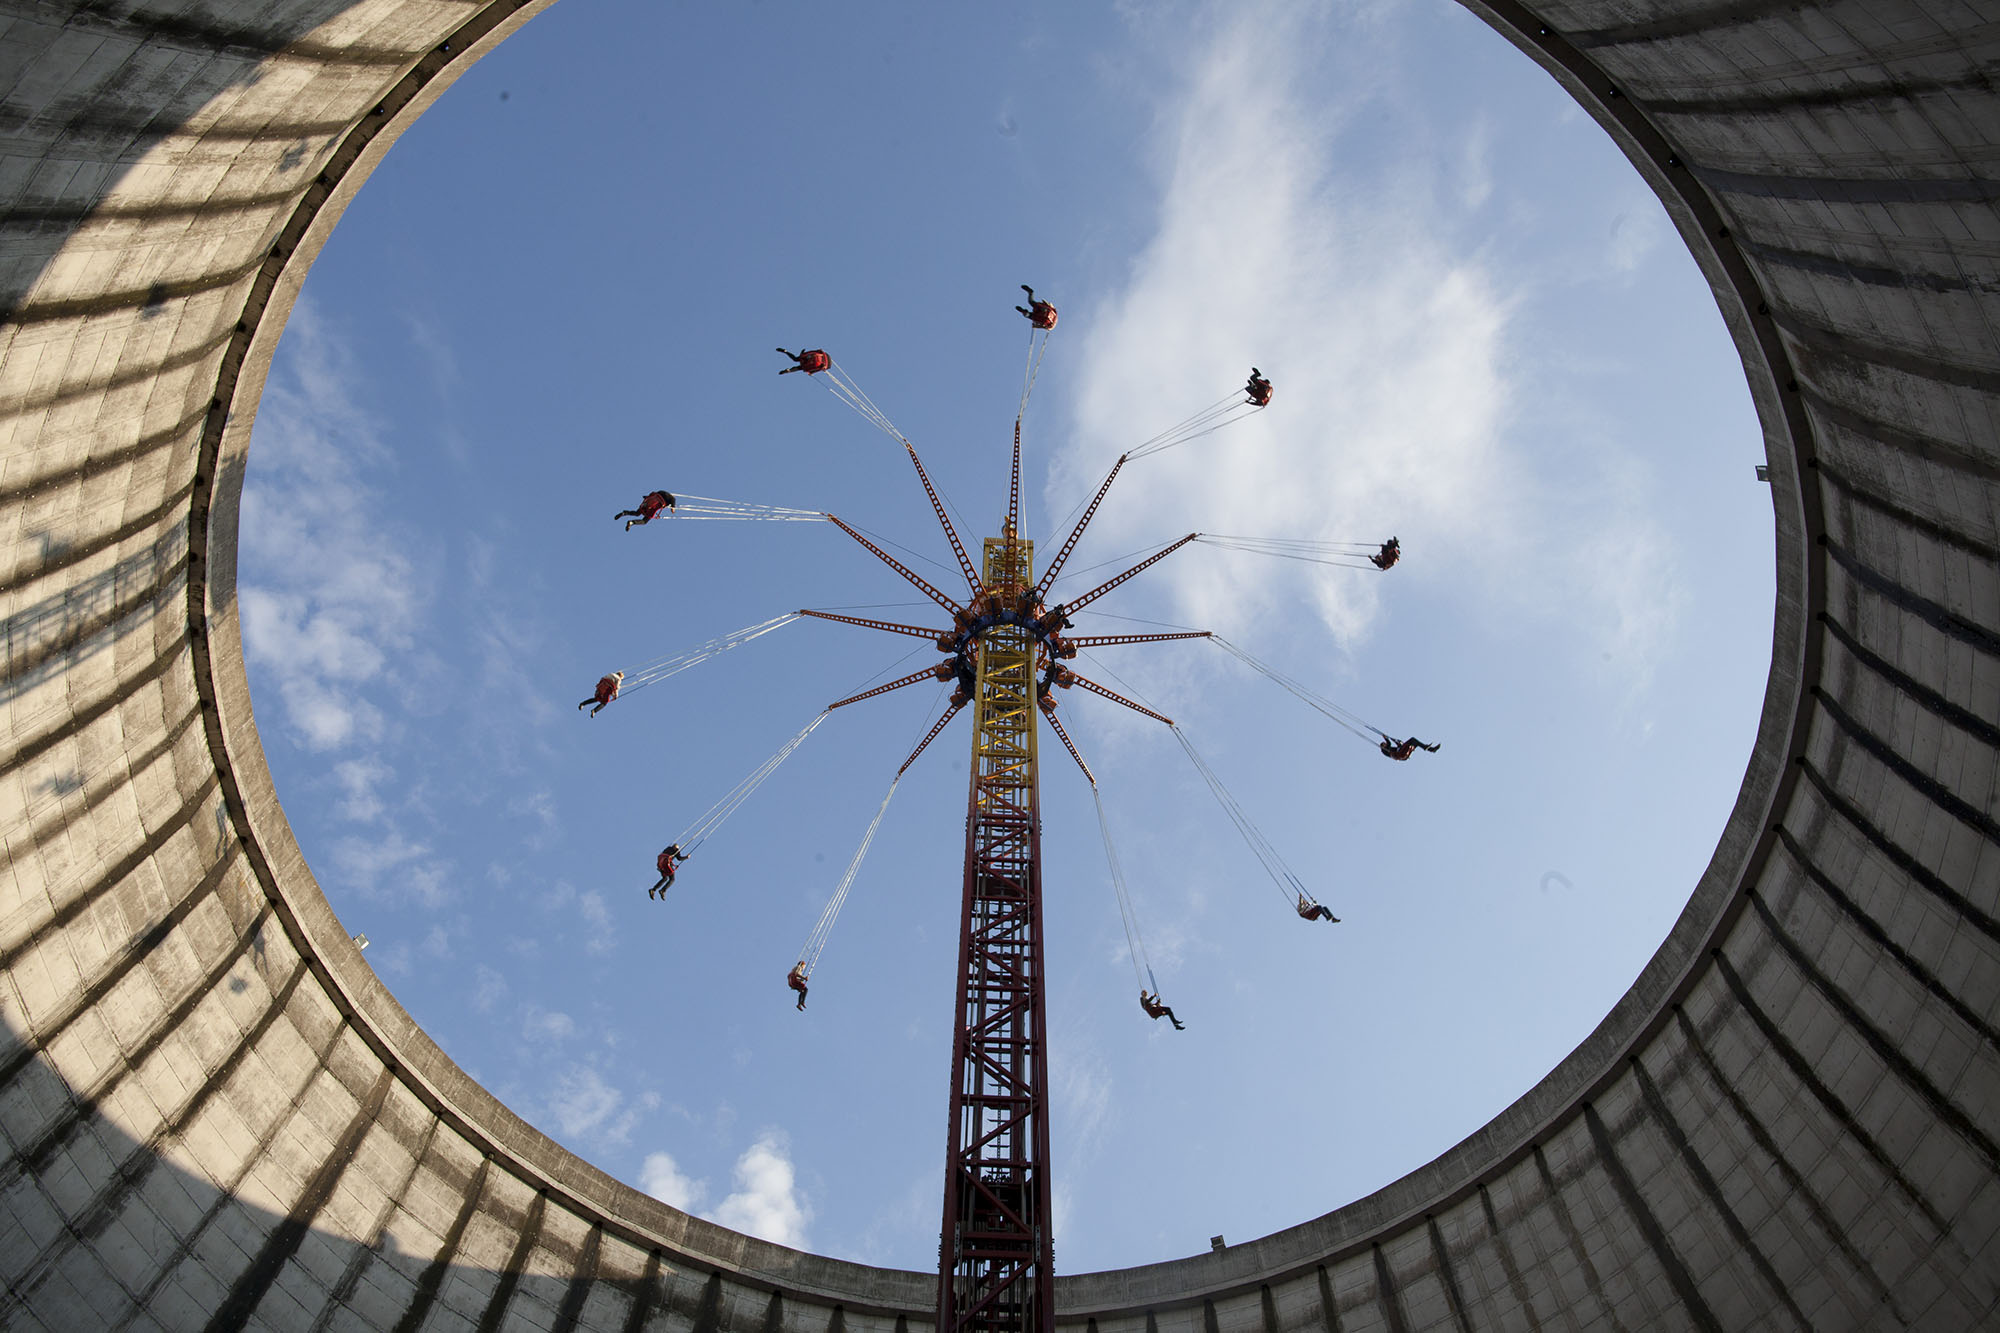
439,1268
1698,1170
774,1314
510,1276
646,1299
1797,1188
580,1283
1903,516
228,1197
1512,1270
708,1315
1905,1069
1573,1238
248,1292
1451,1292
1938,616
1329,1310
1870,927
1894,854
1830,1101
1934,791
1649,1225
365,1255
1387,1297
1947,712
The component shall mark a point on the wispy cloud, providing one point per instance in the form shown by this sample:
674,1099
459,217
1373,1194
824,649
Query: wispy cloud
360,782
489,988
586,1108
1393,338
329,592
332,594
543,1025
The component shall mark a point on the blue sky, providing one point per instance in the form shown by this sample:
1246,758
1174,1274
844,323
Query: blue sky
561,289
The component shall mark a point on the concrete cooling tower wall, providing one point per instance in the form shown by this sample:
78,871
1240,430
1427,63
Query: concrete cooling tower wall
215,1116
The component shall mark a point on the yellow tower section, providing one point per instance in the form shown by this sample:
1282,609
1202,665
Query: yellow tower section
996,1273
1003,716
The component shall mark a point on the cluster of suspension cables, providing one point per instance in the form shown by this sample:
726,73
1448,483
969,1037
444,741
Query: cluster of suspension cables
1352,721
708,508
651,673
1346,555
1038,345
733,800
823,928
1135,941
843,387
1232,407
1288,884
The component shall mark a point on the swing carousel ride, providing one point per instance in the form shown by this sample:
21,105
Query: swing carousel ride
1006,650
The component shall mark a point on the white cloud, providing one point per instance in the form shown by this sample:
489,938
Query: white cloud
766,1202
1395,346
1634,234
328,592
591,907
488,990
1080,1081
359,780
661,1178
547,1025
584,1106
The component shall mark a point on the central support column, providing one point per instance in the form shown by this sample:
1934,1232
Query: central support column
994,1259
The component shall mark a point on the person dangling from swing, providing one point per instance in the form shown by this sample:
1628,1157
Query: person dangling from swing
648,510
1156,1011
666,863
811,362
605,693
1038,312
1313,911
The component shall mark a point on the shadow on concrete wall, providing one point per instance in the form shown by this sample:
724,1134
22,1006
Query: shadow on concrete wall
143,72
100,1230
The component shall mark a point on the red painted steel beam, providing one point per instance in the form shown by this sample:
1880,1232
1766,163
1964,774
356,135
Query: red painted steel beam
923,744
1112,640
951,533
1118,698
1112,582
1056,724
892,627
1014,485
897,565
1076,534
928,673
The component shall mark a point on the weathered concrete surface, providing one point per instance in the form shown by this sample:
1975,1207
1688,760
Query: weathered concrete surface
212,1114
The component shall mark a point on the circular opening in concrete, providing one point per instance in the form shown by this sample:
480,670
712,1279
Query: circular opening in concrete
560,292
